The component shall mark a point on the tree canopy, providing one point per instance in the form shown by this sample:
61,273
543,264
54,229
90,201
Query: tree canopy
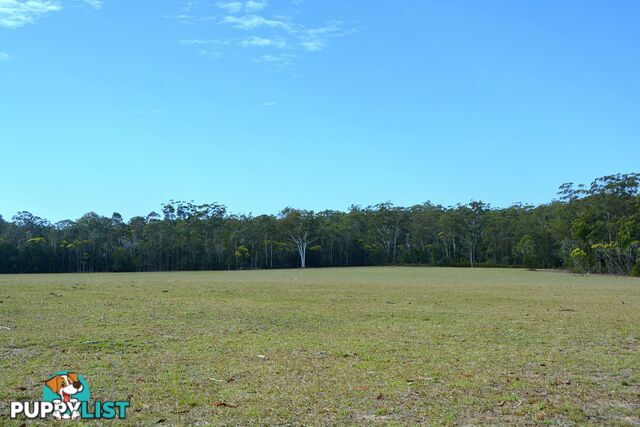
593,228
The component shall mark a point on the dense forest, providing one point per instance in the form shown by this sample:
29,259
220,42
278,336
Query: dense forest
592,228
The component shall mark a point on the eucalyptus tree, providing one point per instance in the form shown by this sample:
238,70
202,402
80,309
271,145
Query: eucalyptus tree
386,221
472,217
267,227
422,233
300,225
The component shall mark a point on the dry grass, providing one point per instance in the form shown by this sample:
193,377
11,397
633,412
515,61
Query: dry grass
341,346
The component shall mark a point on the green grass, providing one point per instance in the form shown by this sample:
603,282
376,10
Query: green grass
342,346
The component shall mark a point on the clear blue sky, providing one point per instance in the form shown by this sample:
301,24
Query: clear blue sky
122,105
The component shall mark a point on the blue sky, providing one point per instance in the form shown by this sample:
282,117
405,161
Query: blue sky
122,105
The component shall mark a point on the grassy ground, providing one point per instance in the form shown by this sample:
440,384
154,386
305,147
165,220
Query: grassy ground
340,346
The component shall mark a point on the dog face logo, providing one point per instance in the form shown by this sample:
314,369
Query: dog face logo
65,385
66,396
69,388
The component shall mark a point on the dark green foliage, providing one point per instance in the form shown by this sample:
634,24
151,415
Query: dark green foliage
589,229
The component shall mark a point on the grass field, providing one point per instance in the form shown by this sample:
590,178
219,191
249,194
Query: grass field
332,346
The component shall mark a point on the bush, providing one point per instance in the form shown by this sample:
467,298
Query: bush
579,260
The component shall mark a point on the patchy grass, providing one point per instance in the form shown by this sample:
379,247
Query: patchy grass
332,346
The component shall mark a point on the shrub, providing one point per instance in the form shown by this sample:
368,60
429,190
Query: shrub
580,260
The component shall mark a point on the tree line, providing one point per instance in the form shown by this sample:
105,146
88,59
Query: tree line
594,228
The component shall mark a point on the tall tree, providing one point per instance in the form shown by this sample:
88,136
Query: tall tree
299,225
